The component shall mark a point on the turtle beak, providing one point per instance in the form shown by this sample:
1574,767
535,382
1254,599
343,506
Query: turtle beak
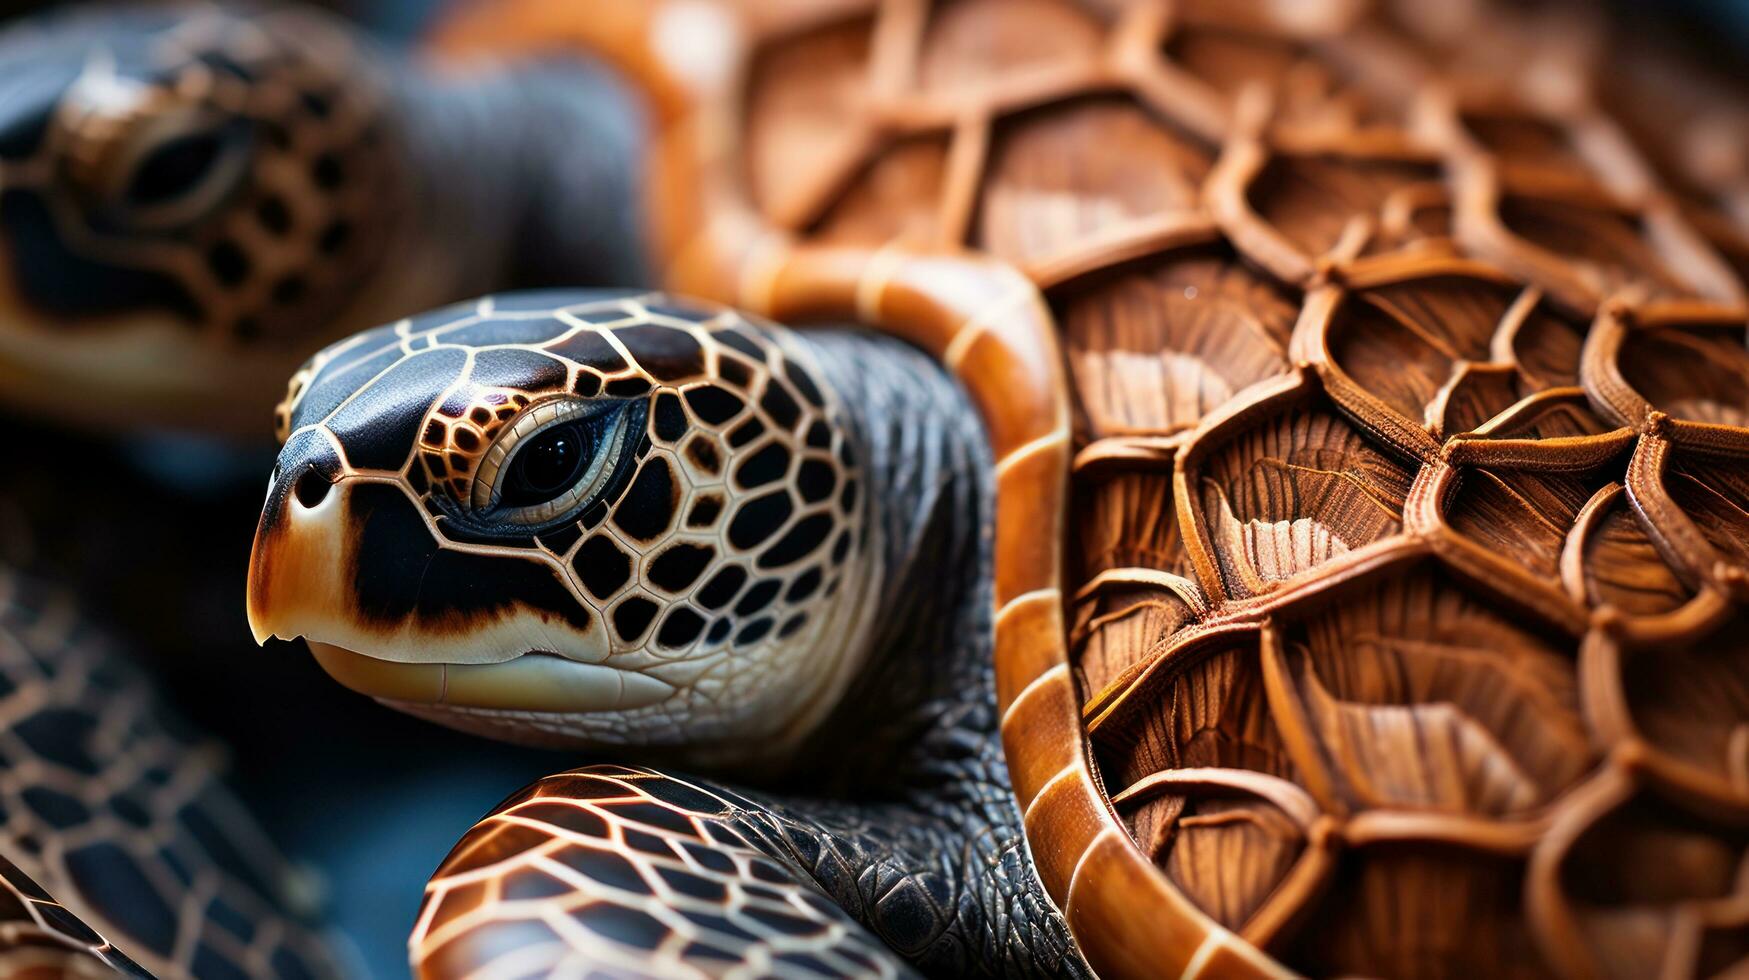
304,581
295,577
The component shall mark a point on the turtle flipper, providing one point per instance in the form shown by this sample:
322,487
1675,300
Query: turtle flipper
116,826
40,938
637,872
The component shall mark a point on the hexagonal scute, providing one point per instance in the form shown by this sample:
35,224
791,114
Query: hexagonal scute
1532,151
1618,563
1127,520
1687,697
1404,343
895,197
1692,373
1201,777
1474,395
1310,201
1156,347
801,91
1553,415
1283,488
1584,251
1634,886
1411,690
1713,492
1067,174
1458,312
1545,346
1228,839
1118,626
1524,516
1419,908
1611,247
1202,705
1421,351
1400,702
1391,361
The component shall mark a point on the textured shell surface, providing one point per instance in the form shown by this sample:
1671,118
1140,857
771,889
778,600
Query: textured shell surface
1405,431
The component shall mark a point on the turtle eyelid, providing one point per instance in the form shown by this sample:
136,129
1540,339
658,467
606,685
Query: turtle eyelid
615,426
534,420
177,173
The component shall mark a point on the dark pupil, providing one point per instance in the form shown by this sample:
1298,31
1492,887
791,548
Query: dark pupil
547,466
173,169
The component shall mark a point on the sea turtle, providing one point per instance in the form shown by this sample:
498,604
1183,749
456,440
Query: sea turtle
121,850
1212,518
1317,545
193,198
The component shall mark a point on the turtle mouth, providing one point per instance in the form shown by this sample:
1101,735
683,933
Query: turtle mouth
534,681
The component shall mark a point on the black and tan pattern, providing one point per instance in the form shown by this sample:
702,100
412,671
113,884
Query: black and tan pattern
634,872
228,168
720,542
112,808
914,836
184,185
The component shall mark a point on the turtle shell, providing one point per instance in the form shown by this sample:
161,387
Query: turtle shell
1371,408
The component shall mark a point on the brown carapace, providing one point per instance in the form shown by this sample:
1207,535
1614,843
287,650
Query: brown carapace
1371,412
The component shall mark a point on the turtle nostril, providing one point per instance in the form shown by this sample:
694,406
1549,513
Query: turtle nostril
311,488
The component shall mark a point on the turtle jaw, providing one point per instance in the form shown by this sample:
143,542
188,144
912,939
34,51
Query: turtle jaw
532,682
299,587
133,371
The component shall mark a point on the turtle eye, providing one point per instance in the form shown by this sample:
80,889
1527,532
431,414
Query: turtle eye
554,460
547,465
174,171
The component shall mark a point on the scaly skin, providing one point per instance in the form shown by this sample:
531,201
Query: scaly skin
119,842
914,835
118,313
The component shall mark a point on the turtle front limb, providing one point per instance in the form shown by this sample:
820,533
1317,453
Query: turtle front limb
118,833
40,938
633,869
637,873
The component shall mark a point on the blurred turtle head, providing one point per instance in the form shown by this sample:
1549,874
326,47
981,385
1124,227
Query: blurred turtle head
193,199
184,192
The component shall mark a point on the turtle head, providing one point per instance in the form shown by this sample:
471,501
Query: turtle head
192,199
574,518
183,192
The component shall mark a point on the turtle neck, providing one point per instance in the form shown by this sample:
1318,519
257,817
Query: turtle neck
900,806
926,682
528,173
